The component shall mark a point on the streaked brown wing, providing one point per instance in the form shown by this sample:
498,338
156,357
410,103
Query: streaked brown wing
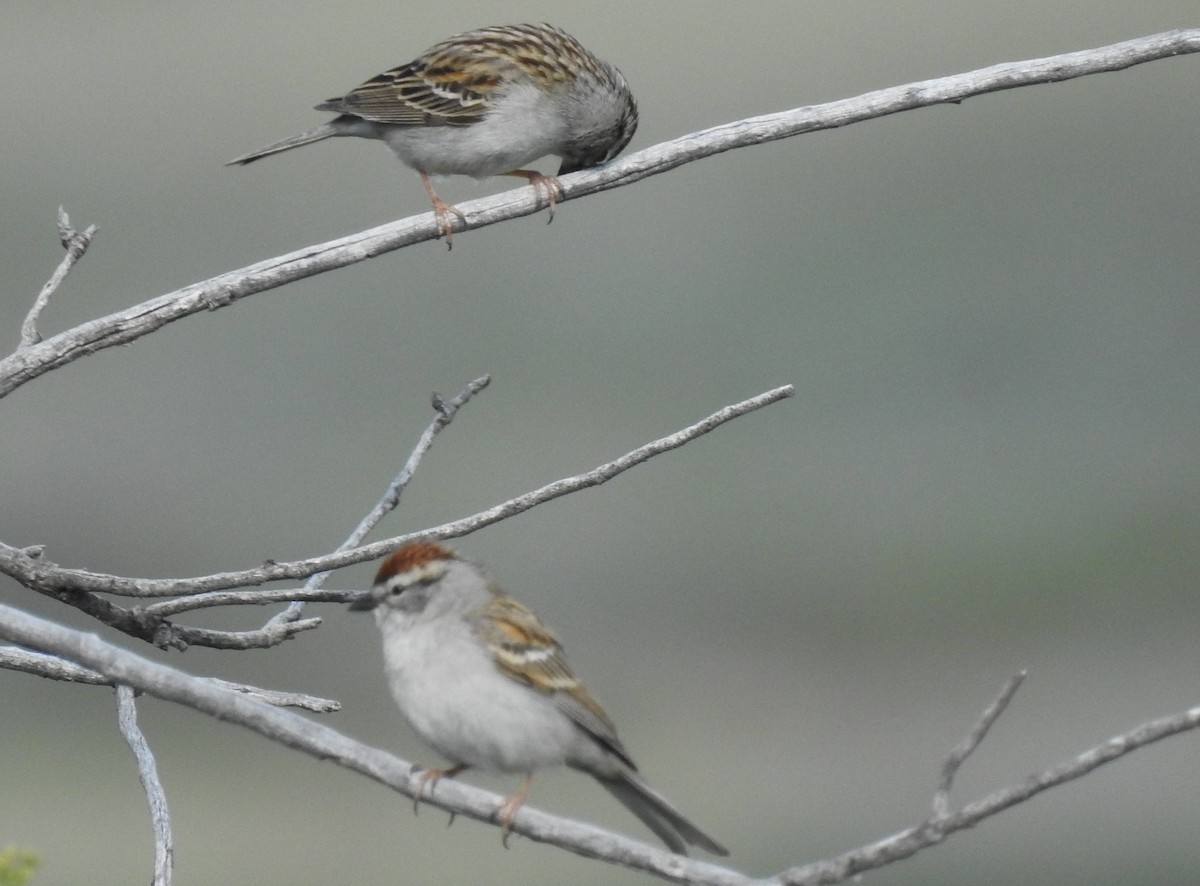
527,651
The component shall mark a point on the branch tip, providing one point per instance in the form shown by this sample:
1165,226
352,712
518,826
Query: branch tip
971,741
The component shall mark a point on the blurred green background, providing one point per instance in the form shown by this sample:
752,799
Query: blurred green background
989,312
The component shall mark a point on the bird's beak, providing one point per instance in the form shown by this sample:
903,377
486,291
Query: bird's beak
366,602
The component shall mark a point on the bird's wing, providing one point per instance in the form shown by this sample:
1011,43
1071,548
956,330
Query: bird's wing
451,84
526,650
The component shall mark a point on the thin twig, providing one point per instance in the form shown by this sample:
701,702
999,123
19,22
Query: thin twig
70,585
148,775
54,668
211,599
277,630
163,633
50,666
964,749
278,699
76,245
132,323
446,410
933,831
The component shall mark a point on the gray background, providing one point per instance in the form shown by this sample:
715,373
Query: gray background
989,312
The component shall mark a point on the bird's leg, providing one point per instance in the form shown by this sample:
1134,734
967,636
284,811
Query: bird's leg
441,212
508,809
431,777
546,185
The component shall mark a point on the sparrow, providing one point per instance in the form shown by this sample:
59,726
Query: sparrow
486,684
487,102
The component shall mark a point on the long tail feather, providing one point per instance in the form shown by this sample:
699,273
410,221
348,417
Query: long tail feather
323,131
657,813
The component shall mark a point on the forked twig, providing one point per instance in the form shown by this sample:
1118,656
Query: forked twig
76,244
964,749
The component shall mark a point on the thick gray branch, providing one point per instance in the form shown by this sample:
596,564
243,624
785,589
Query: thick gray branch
125,326
125,668
294,731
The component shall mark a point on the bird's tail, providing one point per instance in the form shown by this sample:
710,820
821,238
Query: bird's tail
657,813
324,131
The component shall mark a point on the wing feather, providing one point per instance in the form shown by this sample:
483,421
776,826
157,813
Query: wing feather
526,650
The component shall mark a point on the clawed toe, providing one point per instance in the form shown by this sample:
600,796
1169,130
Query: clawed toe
441,212
545,187
508,809
551,187
431,777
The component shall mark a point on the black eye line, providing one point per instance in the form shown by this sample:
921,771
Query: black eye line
424,581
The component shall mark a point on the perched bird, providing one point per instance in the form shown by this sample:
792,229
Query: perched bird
486,103
483,681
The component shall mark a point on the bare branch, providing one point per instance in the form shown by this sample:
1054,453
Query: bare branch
166,635
294,731
598,475
148,775
912,840
278,629
446,410
80,588
55,668
76,245
209,600
132,323
278,699
107,664
964,749
50,666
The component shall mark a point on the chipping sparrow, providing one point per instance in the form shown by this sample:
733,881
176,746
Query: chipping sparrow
486,103
486,684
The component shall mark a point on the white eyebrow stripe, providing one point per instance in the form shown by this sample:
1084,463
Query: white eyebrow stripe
424,572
